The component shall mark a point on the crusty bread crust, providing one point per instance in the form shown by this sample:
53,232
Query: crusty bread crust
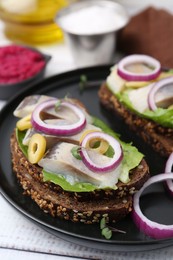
78,207
158,137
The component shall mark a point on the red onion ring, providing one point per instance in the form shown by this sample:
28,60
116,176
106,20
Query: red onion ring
71,129
130,76
156,86
151,228
168,168
113,163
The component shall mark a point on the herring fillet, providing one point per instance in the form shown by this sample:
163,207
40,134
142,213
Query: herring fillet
52,139
59,160
28,104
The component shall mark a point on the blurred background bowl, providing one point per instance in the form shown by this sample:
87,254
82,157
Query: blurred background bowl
12,65
31,21
90,28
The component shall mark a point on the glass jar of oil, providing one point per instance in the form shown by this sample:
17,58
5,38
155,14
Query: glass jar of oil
32,21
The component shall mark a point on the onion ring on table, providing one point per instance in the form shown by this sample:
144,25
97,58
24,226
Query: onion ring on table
151,228
168,168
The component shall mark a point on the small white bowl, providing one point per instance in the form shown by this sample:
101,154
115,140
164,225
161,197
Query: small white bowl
90,28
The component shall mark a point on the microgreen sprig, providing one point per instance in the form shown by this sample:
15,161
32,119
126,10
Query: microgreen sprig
106,230
75,152
57,105
82,83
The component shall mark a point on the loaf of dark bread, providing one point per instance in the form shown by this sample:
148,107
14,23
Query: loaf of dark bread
88,207
158,137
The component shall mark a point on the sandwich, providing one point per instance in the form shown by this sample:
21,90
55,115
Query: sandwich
140,92
71,163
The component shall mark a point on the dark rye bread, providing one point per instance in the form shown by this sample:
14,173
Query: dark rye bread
158,137
69,205
151,23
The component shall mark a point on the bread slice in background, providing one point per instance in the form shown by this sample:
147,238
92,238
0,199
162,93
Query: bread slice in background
158,137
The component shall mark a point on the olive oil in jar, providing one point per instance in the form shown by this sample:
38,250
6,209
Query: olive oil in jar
31,21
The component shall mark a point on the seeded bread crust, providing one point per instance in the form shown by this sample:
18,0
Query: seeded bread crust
77,207
158,137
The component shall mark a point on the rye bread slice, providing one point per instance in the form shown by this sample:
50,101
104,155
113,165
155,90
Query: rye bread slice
158,137
67,205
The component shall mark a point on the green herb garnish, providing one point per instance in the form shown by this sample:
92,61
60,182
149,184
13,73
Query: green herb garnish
57,105
107,233
83,83
106,230
75,152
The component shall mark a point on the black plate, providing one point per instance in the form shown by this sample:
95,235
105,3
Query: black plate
156,206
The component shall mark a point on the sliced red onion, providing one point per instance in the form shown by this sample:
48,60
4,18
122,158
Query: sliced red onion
68,129
156,87
113,162
131,76
168,168
151,228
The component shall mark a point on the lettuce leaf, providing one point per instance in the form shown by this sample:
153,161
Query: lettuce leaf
132,158
20,136
161,116
61,181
